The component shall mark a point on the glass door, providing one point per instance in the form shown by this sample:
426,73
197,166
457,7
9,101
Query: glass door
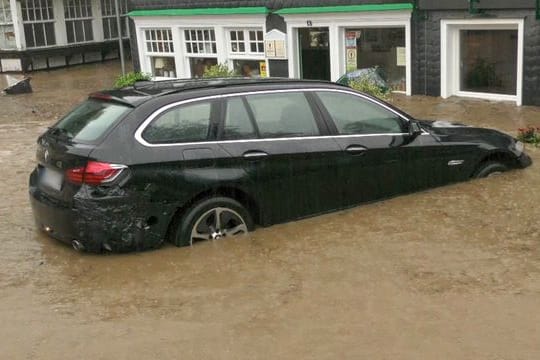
314,53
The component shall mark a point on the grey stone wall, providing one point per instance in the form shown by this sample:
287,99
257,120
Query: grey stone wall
426,52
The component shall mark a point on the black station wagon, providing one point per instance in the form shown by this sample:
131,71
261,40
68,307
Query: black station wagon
186,161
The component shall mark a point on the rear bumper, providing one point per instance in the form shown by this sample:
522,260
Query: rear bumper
108,223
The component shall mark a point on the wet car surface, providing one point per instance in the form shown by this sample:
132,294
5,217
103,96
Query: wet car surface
450,272
193,160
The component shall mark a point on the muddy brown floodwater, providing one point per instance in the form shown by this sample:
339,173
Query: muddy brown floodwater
450,273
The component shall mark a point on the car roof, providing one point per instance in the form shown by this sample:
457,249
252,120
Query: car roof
145,90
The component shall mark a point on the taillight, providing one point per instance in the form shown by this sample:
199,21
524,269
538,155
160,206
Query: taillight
94,173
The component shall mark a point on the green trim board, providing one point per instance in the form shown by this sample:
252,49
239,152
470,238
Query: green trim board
201,11
344,8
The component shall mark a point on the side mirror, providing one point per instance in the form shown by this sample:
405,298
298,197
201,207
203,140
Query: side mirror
414,129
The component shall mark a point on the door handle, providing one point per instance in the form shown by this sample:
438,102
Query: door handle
356,150
254,155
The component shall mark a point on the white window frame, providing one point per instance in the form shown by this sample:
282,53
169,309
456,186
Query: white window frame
168,41
108,13
247,53
180,23
336,24
71,19
8,24
40,22
450,56
146,60
211,43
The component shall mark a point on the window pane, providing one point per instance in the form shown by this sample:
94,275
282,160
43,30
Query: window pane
89,35
489,61
354,115
78,31
379,48
39,33
70,32
237,122
233,35
185,123
282,115
49,33
29,35
91,119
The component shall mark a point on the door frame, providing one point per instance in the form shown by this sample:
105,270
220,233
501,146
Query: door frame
337,23
450,56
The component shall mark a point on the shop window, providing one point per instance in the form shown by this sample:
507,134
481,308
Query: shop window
38,23
489,61
159,41
108,13
201,41
380,48
198,65
7,32
78,15
248,68
163,66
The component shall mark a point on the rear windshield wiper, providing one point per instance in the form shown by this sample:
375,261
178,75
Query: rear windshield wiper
56,131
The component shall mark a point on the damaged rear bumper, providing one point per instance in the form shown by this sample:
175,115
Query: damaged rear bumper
113,223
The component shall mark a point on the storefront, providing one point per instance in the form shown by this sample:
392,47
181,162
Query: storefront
183,43
482,58
326,42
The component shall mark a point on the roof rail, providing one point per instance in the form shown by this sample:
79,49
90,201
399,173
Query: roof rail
165,87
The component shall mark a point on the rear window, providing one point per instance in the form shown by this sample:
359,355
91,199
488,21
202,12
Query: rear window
91,119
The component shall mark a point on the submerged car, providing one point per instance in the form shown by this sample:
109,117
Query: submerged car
185,161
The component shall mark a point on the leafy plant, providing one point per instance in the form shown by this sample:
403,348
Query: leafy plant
529,135
218,71
482,75
131,78
369,86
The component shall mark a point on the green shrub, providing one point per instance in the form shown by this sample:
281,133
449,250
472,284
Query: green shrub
368,86
131,78
218,71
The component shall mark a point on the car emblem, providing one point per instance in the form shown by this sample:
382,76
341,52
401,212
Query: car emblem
46,155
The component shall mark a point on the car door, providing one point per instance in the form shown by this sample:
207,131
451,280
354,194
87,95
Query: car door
371,138
277,138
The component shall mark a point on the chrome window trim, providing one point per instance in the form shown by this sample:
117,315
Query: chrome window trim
149,119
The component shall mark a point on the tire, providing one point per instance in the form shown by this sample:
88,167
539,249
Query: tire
490,168
199,221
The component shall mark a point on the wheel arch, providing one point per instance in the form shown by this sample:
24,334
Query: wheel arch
504,157
227,191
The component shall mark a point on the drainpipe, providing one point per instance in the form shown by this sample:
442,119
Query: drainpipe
472,7
537,9
120,40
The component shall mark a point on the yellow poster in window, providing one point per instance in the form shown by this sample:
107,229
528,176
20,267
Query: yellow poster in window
262,69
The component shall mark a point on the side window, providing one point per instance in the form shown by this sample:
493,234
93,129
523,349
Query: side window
237,122
184,123
283,114
355,115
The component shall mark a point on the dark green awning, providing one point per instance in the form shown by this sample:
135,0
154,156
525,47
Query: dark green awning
344,8
202,11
